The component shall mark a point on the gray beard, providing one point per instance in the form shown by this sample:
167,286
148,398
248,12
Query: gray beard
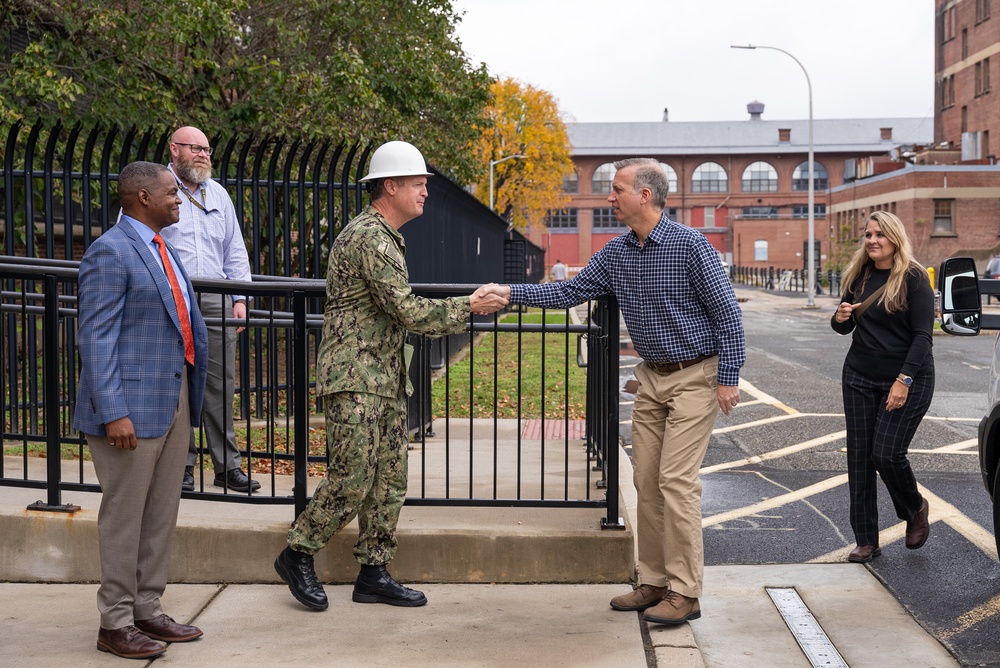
188,172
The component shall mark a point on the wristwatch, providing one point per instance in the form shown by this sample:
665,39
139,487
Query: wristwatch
904,379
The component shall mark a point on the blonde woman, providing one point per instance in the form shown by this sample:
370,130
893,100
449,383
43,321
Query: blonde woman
888,378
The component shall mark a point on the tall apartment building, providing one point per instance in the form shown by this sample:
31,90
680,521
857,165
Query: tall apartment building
948,195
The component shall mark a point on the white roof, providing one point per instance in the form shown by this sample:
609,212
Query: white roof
862,135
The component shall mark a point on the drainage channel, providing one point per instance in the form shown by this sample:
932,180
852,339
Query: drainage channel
808,633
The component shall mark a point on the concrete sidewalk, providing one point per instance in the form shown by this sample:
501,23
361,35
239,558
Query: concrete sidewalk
55,625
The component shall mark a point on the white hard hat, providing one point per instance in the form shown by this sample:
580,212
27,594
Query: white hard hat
396,158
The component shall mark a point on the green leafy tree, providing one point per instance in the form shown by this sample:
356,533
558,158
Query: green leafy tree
357,69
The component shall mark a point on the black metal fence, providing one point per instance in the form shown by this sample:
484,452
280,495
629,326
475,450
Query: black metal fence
462,461
786,280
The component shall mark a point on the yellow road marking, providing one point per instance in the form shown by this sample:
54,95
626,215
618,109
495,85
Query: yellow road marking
775,454
980,613
775,502
753,391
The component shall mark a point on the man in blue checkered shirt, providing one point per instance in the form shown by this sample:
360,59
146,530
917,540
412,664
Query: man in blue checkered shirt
684,322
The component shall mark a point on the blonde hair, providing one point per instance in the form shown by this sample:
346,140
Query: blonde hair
860,266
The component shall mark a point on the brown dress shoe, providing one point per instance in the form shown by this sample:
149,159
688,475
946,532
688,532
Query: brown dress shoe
642,597
862,554
166,629
918,528
128,642
674,609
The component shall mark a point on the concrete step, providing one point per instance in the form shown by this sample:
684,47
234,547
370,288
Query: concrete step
236,542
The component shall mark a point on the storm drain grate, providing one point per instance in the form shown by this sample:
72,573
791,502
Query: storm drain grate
807,631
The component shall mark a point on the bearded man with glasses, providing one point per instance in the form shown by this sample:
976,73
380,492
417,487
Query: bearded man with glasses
210,242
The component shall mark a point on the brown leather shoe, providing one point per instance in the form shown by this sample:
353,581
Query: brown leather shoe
166,629
128,642
862,554
918,528
674,609
642,597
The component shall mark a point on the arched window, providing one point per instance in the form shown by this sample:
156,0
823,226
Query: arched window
709,177
671,176
600,184
571,183
760,177
800,177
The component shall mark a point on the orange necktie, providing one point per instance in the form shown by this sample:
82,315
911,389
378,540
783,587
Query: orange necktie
182,312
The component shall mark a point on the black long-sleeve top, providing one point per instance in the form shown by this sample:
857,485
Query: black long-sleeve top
887,344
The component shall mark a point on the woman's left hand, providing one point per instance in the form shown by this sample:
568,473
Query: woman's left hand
897,396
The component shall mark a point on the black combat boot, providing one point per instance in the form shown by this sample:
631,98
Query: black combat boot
375,585
296,569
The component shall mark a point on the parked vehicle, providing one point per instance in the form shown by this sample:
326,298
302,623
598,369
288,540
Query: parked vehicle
961,314
992,271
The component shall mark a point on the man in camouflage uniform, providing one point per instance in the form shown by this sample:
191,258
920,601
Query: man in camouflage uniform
362,377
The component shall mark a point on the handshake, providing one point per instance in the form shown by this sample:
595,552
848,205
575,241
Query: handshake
489,298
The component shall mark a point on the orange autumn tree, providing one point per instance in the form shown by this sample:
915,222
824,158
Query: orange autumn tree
523,120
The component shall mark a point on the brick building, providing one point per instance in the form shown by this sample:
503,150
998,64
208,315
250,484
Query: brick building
744,184
948,195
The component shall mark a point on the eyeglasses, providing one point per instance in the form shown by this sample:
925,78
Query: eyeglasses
196,149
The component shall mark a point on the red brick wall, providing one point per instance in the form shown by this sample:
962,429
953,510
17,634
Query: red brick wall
982,40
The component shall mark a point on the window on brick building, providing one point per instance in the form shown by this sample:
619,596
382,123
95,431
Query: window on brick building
709,216
760,177
571,184
709,177
760,250
671,175
600,183
561,220
965,118
982,10
605,221
759,212
672,213
802,210
944,218
965,43
800,177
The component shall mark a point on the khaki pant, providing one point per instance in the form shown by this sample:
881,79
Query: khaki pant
672,422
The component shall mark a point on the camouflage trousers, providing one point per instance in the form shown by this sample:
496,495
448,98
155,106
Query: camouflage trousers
366,437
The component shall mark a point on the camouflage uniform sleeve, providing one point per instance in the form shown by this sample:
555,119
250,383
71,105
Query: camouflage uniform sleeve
385,272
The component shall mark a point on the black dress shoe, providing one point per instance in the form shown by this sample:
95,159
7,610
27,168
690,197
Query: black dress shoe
375,585
188,483
862,554
166,629
236,480
128,642
296,570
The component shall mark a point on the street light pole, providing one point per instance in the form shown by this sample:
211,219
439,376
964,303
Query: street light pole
811,250
494,163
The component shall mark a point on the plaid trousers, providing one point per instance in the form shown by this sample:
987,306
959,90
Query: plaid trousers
877,442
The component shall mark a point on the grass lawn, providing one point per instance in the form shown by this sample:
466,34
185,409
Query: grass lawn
517,352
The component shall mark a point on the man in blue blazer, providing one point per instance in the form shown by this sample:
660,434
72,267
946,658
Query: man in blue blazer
144,356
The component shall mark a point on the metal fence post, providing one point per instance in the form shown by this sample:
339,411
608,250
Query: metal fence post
612,328
53,423
301,408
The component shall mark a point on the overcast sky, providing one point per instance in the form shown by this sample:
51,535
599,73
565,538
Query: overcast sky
625,60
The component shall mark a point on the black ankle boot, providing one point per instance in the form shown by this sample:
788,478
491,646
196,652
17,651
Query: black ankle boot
375,585
296,569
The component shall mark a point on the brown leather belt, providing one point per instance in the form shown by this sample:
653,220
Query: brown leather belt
670,367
